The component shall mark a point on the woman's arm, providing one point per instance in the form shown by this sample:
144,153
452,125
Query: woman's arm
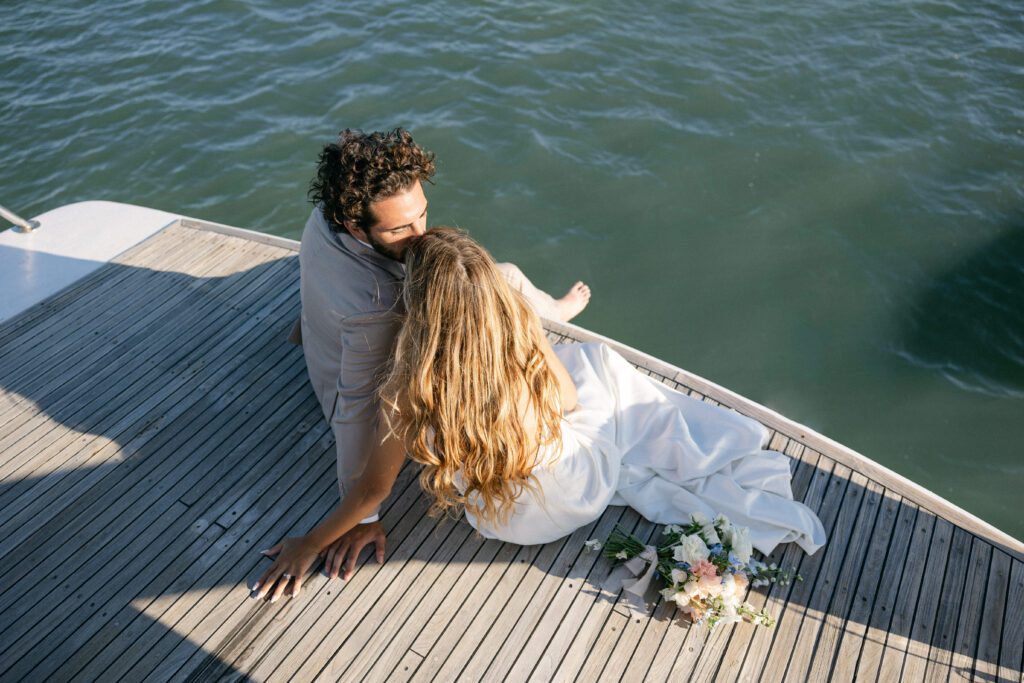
295,556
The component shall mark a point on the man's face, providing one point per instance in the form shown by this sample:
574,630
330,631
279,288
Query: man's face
397,221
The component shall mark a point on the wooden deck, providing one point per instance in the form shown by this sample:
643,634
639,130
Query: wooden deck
156,431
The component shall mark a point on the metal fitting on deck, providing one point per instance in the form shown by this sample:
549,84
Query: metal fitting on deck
20,224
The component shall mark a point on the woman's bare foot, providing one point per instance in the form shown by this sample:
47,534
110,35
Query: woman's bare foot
574,301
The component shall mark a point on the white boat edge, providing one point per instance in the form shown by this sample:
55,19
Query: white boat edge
76,239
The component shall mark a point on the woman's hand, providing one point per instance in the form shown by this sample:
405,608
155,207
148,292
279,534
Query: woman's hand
295,556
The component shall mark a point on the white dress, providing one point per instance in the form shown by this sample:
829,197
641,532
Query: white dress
634,441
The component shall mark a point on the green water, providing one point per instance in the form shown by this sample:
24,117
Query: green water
819,207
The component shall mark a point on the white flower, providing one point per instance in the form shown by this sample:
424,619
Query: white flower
679,576
728,587
699,518
730,615
593,544
668,593
691,550
723,523
622,555
691,588
739,538
672,529
710,535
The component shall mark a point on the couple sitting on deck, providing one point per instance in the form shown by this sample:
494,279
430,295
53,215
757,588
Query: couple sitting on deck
419,345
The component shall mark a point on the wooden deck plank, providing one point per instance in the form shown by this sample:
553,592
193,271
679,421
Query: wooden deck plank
950,603
385,598
969,622
915,662
804,615
308,441
140,634
93,342
98,283
140,291
57,376
40,320
173,577
485,614
228,648
542,662
145,353
366,647
601,630
661,622
404,670
130,477
551,560
884,542
788,603
553,601
837,607
96,534
897,635
106,465
165,646
328,602
106,557
746,653
30,640
622,657
159,617
986,661
125,368
712,653
545,606
380,661
1011,652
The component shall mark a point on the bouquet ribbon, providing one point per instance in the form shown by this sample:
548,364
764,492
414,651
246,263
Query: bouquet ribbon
635,590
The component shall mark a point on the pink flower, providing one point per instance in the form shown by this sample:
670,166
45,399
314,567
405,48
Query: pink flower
704,568
710,586
741,581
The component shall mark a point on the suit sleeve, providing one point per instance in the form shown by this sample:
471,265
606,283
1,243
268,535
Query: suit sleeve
366,344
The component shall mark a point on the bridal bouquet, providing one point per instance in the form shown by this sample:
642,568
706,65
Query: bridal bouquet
706,566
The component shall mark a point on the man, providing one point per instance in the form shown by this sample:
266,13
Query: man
368,205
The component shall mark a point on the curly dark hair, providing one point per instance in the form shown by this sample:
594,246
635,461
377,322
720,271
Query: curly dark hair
362,168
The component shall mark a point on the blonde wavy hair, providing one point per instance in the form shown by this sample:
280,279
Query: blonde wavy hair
468,348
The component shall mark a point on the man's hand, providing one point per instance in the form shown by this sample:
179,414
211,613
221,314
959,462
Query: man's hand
295,556
347,548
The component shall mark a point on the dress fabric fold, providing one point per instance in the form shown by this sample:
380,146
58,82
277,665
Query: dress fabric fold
633,441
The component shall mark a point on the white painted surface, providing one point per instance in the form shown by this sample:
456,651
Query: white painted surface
71,242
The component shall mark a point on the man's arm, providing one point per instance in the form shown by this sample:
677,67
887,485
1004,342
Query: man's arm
295,556
366,345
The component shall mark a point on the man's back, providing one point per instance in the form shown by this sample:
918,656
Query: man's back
350,317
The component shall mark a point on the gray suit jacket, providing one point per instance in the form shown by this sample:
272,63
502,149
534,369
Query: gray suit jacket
350,317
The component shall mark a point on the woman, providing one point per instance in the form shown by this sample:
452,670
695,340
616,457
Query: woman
534,442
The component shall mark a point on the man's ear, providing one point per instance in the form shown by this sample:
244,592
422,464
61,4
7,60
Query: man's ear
356,232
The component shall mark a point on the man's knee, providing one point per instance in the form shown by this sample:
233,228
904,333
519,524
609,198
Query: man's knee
512,274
